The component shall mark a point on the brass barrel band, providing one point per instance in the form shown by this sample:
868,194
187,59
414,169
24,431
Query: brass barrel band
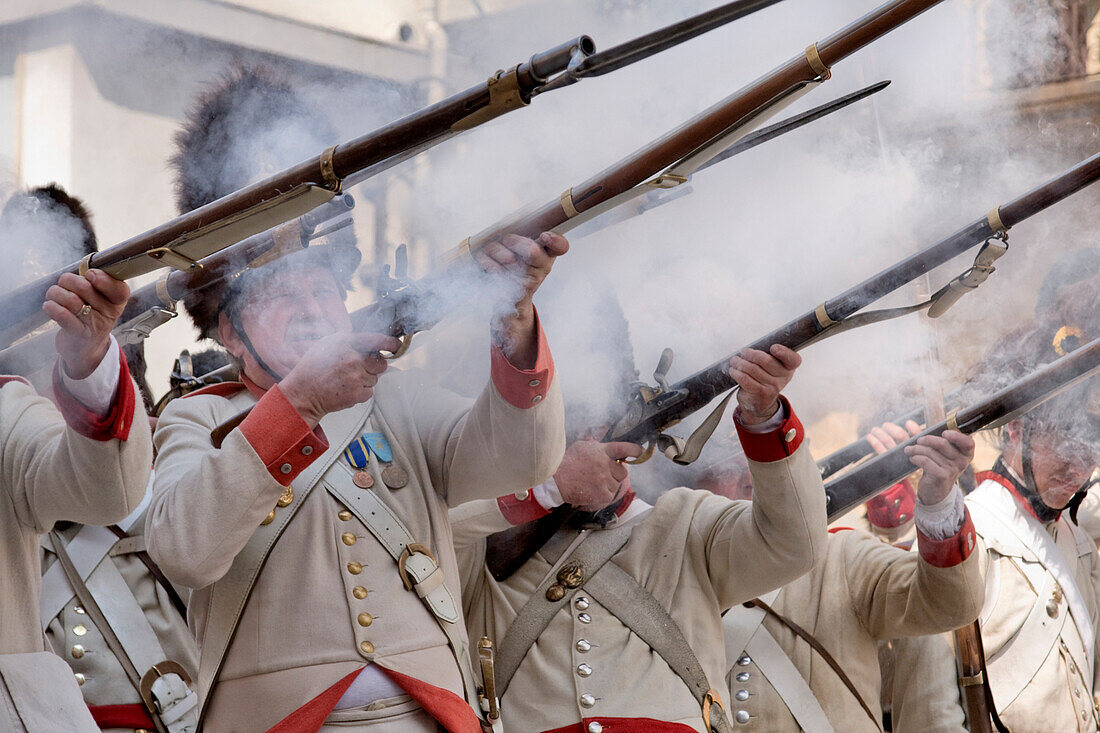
995,222
823,318
85,265
813,57
567,203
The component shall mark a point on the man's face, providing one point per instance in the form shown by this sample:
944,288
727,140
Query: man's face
286,313
1060,465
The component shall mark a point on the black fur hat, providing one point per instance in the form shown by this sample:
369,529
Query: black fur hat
250,124
54,198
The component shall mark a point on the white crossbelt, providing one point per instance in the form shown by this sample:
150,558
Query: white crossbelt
87,549
744,633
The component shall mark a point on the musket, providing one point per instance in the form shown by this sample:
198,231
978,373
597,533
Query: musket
153,305
653,409
185,240
999,408
670,161
659,197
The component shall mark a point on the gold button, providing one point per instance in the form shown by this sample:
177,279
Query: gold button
355,568
344,515
80,630
287,497
365,619
268,519
359,592
79,678
78,651
367,647
791,435
348,538
555,593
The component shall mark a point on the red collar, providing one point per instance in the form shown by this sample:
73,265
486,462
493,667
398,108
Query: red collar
1007,483
255,389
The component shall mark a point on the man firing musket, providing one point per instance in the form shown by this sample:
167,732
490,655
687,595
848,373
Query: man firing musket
315,537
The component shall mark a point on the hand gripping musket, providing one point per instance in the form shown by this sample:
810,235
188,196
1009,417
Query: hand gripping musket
653,409
885,470
182,242
154,304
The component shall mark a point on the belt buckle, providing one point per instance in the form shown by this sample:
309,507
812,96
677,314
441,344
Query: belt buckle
405,555
158,670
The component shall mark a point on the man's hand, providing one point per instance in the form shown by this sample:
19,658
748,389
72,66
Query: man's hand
762,377
591,474
339,371
528,262
86,308
943,459
890,435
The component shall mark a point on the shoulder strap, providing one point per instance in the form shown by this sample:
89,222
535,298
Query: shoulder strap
623,596
786,680
95,613
821,650
590,555
141,554
230,595
87,549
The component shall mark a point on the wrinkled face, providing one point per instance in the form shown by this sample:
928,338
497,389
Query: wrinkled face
1060,465
285,314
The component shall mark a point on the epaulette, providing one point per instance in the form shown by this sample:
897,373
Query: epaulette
221,389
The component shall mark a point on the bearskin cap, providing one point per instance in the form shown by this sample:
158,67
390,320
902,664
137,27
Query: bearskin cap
251,124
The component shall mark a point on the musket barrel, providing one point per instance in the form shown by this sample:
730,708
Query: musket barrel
1065,185
882,20
885,470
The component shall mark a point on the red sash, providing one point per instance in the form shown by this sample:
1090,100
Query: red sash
450,710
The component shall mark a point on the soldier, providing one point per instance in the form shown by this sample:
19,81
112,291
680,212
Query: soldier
614,623
1042,574
805,656
315,536
87,459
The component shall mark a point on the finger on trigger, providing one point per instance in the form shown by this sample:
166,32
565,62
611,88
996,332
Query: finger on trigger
618,451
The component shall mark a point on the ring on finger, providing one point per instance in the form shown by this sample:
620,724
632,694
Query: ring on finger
84,310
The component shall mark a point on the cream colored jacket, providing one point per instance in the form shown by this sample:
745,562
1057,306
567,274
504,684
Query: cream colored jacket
695,552
1042,672
51,472
861,592
920,684
303,630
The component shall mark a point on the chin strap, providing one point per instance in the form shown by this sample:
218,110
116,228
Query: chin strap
235,321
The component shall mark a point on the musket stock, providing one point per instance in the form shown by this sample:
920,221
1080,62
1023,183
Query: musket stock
886,469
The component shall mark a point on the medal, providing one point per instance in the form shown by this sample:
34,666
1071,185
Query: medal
395,477
363,480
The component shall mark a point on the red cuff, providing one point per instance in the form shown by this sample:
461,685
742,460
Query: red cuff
893,507
120,415
521,511
776,444
121,716
524,388
281,438
949,552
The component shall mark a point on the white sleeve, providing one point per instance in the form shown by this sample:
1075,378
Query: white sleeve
97,390
943,519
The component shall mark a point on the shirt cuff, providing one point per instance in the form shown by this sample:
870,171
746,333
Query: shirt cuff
524,388
522,507
894,507
281,438
951,551
778,442
115,421
96,390
944,518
